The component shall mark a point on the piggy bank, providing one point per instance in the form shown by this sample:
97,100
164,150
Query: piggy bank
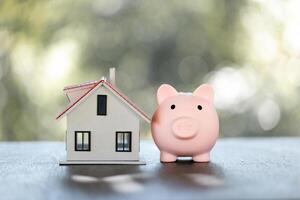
185,124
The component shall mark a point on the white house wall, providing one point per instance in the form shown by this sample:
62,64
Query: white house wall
103,128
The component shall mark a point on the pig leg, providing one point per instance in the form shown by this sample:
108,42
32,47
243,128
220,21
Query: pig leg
201,157
167,157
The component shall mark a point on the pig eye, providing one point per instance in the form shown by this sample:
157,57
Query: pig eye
173,107
199,107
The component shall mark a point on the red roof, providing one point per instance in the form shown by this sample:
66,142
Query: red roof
91,83
111,87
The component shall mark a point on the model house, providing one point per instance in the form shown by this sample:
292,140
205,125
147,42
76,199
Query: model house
103,125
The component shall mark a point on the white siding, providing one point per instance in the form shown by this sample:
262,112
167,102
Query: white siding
103,128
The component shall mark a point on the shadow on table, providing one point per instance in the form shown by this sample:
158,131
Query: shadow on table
186,173
104,179
120,179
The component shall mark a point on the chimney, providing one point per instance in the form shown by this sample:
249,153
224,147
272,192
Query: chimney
112,76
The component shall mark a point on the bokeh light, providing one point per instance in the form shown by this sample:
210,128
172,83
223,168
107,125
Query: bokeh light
248,50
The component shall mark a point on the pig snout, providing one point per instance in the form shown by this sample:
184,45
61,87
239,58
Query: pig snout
184,128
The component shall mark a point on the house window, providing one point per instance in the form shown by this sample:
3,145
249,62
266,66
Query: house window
123,141
82,140
101,104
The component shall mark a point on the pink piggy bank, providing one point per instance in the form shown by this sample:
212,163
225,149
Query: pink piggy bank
185,124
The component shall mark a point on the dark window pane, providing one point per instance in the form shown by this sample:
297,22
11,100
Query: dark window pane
123,141
79,147
119,141
86,141
79,138
86,147
127,141
82,141
101,104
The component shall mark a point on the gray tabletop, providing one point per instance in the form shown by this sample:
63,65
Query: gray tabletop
249,168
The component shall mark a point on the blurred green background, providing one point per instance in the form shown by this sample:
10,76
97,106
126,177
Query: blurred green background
248,50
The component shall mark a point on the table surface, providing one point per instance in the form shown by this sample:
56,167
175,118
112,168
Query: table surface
241,168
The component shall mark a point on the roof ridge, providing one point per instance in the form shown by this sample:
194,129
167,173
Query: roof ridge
83,84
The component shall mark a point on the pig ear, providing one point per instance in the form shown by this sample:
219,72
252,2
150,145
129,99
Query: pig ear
205,91
165,91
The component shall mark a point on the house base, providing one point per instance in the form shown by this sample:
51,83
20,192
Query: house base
102,162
